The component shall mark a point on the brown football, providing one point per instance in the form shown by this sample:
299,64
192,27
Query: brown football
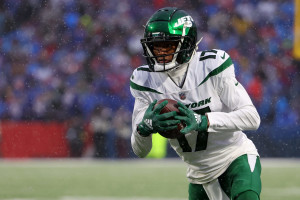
171,106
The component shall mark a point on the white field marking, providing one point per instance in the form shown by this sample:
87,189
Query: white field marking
280,162
100,198
118,198
20,199
286,192
89,162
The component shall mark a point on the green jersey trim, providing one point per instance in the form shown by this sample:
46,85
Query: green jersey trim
143,69
218,70
142,88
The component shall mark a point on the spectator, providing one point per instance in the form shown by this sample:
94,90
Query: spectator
55,54
100,125
76,136
122,129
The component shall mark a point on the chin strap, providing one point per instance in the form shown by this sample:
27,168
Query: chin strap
196,48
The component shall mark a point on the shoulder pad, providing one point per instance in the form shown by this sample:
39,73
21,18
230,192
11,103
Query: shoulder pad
216,63
216,60
140,81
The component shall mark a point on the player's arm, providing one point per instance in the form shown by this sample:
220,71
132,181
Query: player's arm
141,146
243,116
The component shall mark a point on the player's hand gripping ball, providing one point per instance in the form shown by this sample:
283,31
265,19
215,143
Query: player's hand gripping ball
171,106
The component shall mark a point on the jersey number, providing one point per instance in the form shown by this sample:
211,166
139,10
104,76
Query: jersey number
203,57
202,137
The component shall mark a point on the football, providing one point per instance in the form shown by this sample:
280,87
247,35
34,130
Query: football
171,106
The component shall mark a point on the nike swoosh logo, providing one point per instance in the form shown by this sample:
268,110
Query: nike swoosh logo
236,83
223,56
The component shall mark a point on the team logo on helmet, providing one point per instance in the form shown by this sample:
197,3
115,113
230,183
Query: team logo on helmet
186,19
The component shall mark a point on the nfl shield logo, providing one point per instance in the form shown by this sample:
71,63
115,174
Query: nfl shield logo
182,95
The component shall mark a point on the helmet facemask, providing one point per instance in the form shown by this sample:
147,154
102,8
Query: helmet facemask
169,25
183,51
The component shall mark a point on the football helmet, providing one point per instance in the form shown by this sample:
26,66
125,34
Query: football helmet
169,25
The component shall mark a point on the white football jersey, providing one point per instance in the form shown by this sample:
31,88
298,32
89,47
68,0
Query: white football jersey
210,87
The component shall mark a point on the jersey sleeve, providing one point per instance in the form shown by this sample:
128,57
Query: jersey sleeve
141,146
137,81
242,114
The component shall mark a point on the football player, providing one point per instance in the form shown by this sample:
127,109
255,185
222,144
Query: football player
222,162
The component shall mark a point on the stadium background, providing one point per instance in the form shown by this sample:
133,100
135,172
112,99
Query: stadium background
64,92
68,63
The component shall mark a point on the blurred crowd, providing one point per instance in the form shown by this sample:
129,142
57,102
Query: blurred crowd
66,59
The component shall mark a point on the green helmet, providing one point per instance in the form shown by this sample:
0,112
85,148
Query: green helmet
170,24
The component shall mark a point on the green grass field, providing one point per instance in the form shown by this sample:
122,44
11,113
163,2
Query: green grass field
125,180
